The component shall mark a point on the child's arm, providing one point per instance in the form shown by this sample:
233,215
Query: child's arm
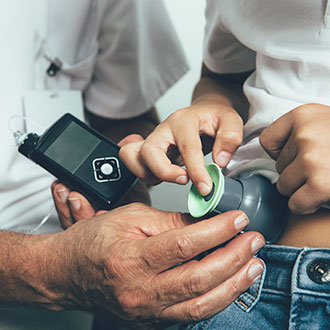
299,142
218,110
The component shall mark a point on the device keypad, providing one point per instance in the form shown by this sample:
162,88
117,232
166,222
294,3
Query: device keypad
106,169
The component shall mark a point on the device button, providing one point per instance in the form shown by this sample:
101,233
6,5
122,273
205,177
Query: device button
106,169
98,164
115,175
100,176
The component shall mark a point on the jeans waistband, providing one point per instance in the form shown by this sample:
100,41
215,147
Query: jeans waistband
296,270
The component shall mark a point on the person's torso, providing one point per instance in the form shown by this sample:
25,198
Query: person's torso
291,41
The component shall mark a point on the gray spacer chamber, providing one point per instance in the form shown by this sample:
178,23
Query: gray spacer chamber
259,199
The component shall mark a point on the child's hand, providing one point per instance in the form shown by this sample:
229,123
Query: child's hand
299,141
186,133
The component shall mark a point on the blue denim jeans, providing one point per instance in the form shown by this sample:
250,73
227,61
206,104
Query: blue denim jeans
293,293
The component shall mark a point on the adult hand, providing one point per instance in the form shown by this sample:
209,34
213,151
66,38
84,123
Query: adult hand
122,263
299,142
72,206
155,159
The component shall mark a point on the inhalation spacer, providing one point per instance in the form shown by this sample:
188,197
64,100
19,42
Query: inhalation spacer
252,193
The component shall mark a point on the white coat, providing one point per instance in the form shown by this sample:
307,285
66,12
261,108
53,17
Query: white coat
121,54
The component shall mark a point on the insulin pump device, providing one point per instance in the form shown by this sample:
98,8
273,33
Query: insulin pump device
82,158
252,193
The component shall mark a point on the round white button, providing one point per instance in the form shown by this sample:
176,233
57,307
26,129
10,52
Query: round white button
106,169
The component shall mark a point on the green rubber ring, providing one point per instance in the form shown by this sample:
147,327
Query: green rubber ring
197,205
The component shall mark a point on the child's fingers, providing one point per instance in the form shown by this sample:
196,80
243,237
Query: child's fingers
130,139
186,136
274,137
287,155
156,159
305,200
291,179
189,144
229,137
130,154
154,153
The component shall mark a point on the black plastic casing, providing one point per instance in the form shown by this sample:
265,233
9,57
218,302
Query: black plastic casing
103,195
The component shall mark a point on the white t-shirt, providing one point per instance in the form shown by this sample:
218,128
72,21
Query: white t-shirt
287,43
123,55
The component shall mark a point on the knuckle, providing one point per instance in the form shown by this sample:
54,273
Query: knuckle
234,288
198,284
177,114
184,248
113,266
296,208
309,161
234,138
138,207
266,139
317,184
166,174
235,258
176,219
299,111
281,188
306,108
137,210
146,149
303,110
130,303
197,311
126,151
187,148
302,135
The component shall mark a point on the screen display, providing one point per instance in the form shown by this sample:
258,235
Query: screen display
72,147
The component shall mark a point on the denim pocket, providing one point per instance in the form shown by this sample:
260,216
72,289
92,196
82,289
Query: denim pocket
250,297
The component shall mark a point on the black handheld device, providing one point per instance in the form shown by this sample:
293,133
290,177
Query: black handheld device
83,159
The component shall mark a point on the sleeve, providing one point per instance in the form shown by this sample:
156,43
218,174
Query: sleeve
223,52
139,58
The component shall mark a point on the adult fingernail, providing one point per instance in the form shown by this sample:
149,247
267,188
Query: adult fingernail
183,179
223,158
62,194
204,188
257,244
75,203
241,222
255,270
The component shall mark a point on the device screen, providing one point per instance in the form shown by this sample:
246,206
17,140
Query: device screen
72,147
